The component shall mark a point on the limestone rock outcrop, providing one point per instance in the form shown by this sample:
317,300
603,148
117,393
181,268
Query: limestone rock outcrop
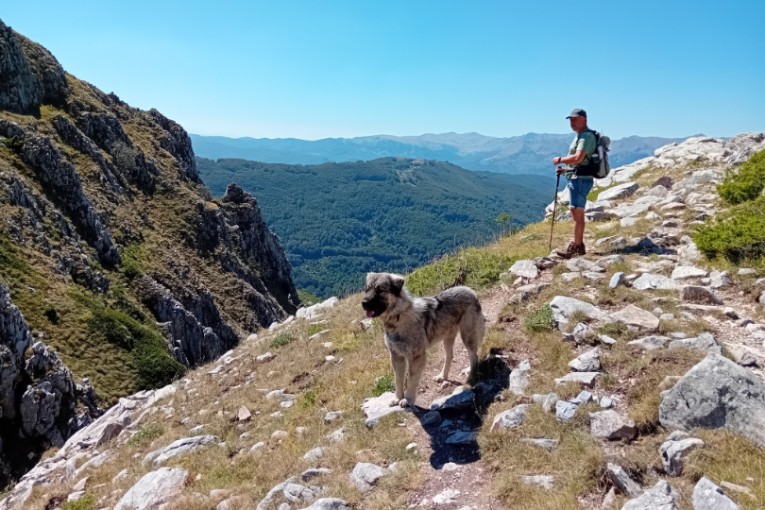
40,403
717,393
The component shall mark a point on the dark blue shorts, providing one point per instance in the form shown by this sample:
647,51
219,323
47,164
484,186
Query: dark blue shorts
578,189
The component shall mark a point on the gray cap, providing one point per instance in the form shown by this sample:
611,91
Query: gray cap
577,112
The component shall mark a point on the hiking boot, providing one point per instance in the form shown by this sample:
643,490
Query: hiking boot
579,250
567,252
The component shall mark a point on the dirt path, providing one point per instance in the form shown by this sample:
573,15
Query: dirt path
455,476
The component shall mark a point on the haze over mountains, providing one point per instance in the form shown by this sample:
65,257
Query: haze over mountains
525,154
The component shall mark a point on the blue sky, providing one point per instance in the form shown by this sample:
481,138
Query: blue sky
314,69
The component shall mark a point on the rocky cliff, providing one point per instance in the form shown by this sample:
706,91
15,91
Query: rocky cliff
115,264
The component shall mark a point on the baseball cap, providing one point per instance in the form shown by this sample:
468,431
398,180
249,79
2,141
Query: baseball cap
577,112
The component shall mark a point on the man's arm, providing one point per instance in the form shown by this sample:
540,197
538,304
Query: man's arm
573,159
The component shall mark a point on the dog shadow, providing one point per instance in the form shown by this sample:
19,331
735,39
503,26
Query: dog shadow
453,427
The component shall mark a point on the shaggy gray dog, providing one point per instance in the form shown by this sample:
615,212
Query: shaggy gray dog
414,324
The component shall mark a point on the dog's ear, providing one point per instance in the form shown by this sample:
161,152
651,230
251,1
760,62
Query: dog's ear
396,284
370,278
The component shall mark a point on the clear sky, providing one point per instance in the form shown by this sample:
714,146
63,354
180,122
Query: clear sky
324,68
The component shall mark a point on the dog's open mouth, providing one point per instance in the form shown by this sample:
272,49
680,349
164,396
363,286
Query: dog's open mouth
373,309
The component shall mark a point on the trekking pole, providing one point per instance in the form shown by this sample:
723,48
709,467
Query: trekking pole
555,203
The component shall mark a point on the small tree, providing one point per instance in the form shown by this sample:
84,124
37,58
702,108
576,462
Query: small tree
505,222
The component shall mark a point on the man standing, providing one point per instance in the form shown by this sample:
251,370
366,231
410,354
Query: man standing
578,185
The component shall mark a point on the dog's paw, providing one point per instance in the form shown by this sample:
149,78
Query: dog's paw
397,402
405,402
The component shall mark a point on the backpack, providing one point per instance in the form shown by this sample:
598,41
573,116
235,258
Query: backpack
598,166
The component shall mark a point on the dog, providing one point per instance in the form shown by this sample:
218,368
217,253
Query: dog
413,324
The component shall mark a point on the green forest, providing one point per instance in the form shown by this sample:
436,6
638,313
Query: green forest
337,221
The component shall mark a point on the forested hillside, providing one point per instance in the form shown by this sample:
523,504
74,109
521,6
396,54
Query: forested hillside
340,220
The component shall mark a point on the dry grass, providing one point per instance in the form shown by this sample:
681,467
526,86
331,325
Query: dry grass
640,376
577,462
731,458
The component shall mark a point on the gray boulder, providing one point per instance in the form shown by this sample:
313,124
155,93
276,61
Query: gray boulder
651,342
654,281
636,318
622,480
565,410
182,446
705,342
564,307
611,425
660,497
154,489
619,191
511,418
698,294
519,378
525,268
717,393
328,504
708,496
686,272
376,407
674,450
365,475
586,362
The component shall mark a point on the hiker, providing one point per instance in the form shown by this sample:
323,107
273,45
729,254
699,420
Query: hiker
579,186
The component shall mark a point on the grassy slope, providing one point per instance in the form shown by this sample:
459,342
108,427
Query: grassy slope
62,312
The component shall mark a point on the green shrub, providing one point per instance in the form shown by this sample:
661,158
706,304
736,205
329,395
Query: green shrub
308,298
308,399
131,264
315,328
281,339
473,267
86,502
541,320
14,143
614,329
153,364
146,434
382,384
746,183
11,261
739,236
112,326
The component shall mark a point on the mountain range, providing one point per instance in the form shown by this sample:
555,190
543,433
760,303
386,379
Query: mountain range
526,154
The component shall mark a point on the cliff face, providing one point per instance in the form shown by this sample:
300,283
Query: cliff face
112,253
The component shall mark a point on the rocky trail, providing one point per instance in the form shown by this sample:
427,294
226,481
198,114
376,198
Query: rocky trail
639,247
